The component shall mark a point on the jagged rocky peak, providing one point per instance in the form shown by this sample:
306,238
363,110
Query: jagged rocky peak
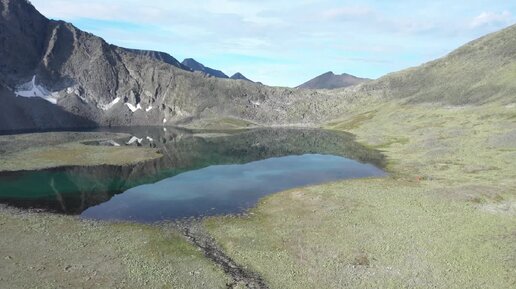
197,66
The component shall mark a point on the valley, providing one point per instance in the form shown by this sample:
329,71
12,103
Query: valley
83,122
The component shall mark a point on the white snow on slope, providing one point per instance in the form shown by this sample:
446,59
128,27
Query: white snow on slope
132,107
30,89
133,140
149,108
109,105
150,139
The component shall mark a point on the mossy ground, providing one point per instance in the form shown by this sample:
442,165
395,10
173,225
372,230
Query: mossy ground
48,150
446,218
51,251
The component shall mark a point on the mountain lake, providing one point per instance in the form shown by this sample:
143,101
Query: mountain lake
200,173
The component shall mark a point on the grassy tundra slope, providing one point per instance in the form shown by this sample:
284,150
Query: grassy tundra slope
58,149
52,251
446,218
478,72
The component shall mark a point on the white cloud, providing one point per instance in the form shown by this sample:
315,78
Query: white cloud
489,18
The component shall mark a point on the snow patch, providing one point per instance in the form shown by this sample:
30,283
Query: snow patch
133,140
31,89
164,120
132,107
150,139
83,98
149,108
76,91
255,103
109,105
178,111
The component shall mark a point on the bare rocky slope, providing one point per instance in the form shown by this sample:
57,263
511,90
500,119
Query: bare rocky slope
109,85
194,65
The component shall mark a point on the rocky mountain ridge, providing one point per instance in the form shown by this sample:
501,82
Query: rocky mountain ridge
53,75
194,65
114,86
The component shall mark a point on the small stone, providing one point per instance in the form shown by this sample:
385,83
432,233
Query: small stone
8,258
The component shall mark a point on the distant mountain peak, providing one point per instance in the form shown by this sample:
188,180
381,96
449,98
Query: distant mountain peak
192,63
240,76
330,80
197,66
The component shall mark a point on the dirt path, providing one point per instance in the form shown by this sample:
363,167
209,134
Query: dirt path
242,277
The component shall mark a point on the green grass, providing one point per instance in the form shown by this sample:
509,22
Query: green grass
61,149
352,122
371,234
446,218
62,252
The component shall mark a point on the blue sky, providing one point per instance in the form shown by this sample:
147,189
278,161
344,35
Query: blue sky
285,43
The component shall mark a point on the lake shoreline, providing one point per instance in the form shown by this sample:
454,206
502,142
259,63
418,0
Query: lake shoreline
418,189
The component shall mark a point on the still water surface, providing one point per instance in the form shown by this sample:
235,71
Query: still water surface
198,175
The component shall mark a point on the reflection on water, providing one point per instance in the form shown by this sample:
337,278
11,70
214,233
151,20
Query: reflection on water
199,174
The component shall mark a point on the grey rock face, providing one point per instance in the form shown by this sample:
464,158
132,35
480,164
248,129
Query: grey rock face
329,80
108,85
197,66
161,56
28,114
22,37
